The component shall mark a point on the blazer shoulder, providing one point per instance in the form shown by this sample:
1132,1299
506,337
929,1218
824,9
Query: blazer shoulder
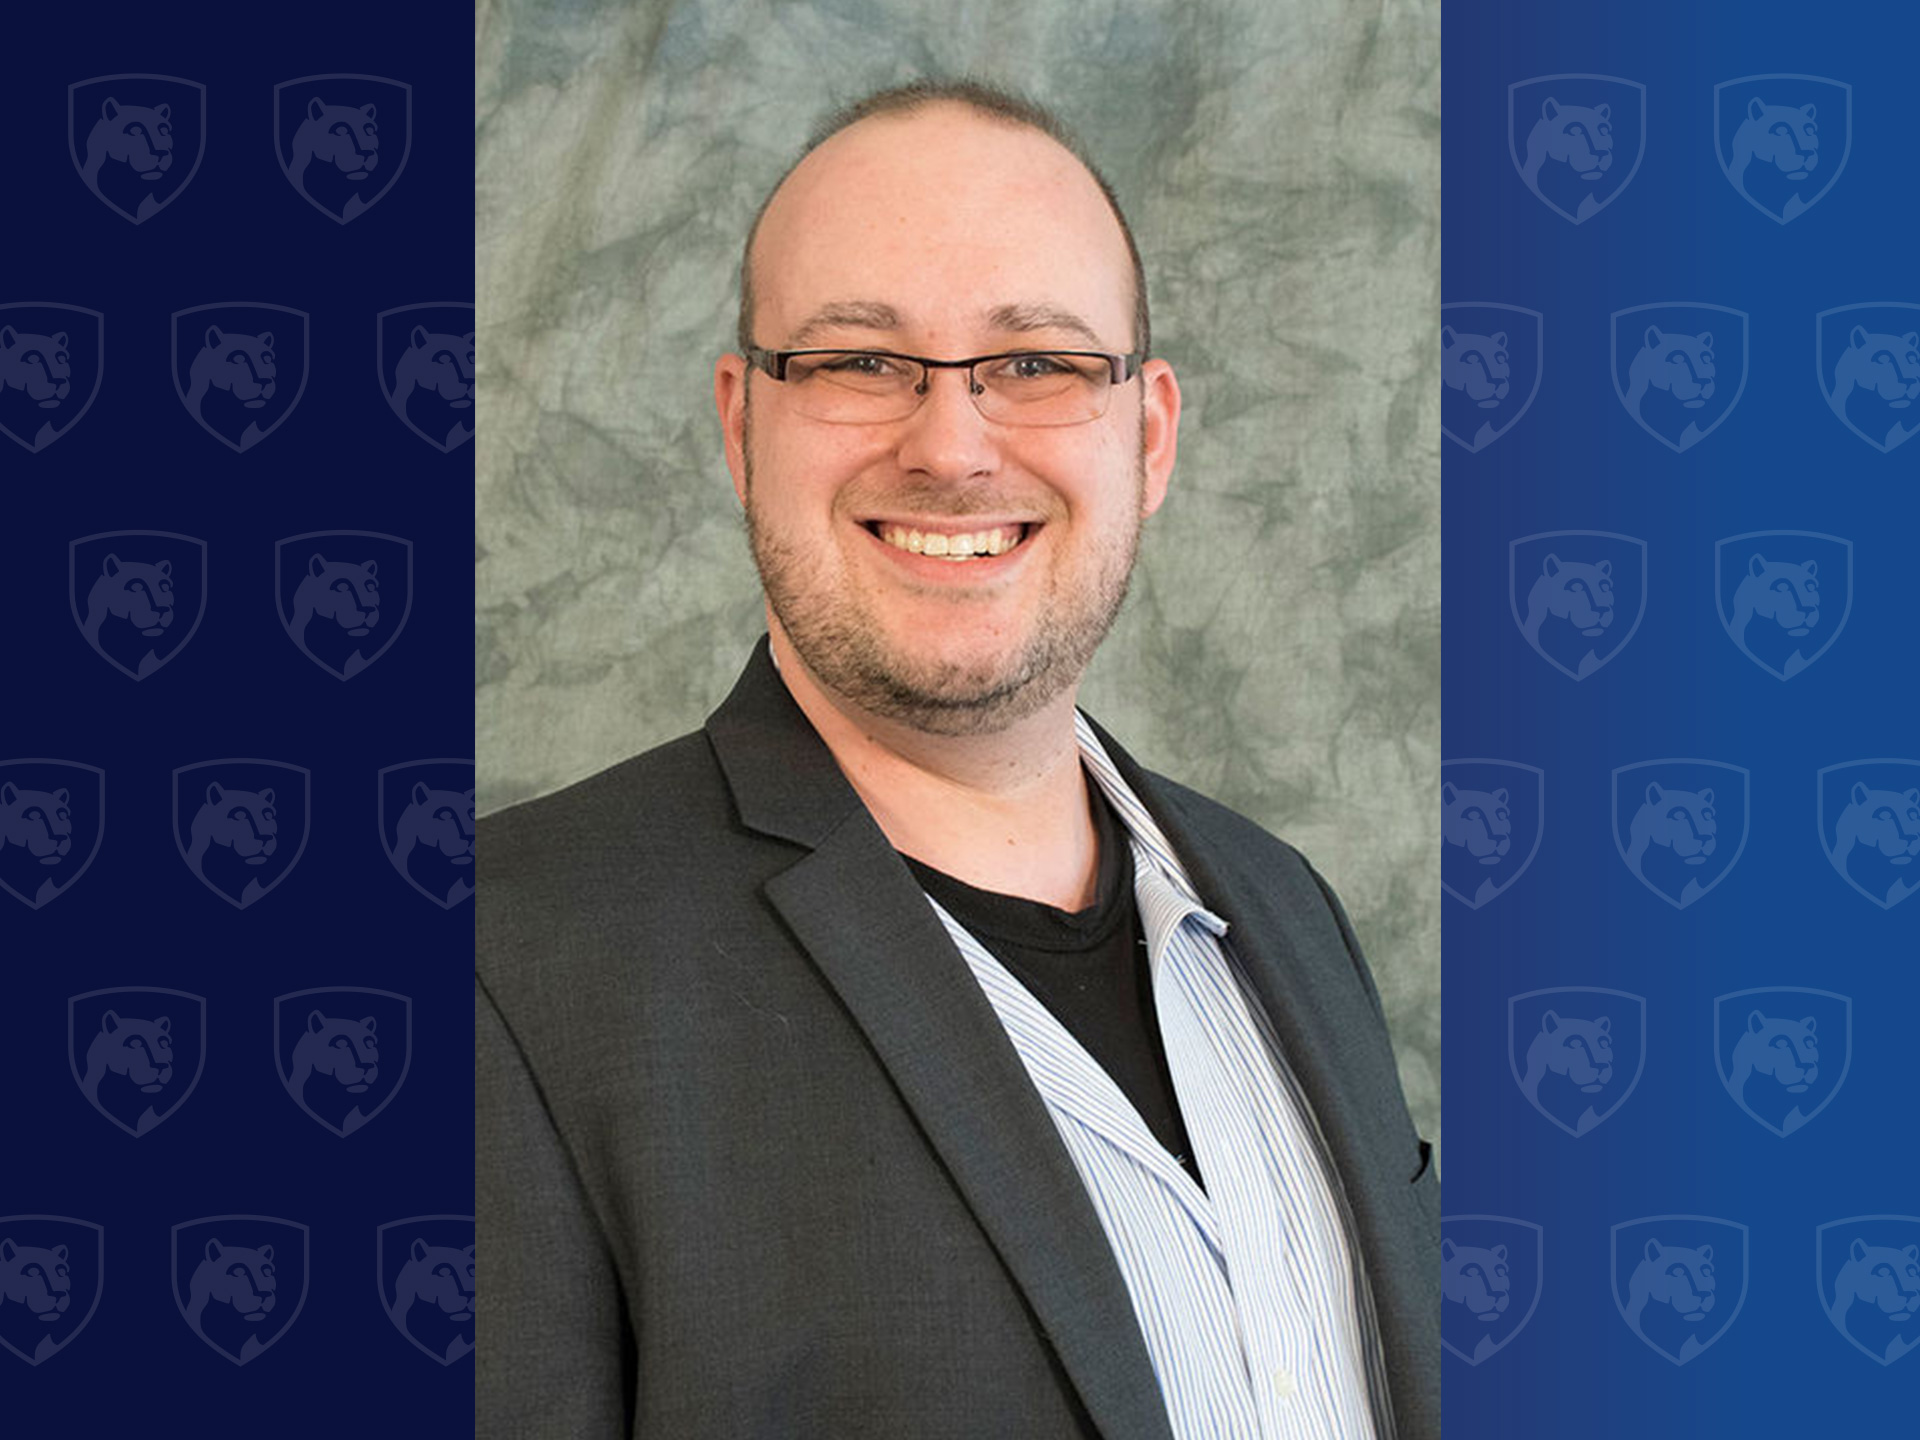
650,799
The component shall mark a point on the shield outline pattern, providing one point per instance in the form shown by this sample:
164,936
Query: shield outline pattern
1513,1056
1832,180
306,1279
79,164
1820,368
1539,1288
1613,1279
399,169
1520,165
380,819
1613,364
1820,1282
99,374
380,366
73,1056
406,1064
99,840
1746,819
306,365
100,1262
1540,790
73,596
1820,820
1539,370
1513,595
286,620
1726,620
306,831
1846,1004
380,1281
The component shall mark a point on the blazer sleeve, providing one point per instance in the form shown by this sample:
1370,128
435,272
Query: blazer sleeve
554,1354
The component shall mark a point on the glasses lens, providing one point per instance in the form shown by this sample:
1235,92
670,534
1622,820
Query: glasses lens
1043,389
854,386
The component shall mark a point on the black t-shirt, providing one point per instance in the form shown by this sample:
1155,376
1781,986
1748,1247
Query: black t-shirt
1089,968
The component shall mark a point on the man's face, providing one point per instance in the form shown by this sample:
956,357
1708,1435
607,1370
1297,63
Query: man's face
944,234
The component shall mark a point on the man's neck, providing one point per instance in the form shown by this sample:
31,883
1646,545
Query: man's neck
1007,811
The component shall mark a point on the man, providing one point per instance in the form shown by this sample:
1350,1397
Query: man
894,1057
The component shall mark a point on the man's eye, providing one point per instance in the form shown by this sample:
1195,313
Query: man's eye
872,365
1036,367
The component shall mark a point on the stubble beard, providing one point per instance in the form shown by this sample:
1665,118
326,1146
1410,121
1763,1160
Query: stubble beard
837,637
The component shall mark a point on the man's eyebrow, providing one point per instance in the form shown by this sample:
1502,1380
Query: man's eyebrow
1025,318
844,314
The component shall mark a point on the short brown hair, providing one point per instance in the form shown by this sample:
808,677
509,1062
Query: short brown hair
986,99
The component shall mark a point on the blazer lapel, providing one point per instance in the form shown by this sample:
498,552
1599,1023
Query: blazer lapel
853,905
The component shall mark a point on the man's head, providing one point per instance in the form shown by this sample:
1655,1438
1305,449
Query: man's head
945,227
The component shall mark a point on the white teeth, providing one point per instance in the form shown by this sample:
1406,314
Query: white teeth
996,541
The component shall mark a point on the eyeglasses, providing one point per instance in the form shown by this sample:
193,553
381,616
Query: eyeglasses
1020,387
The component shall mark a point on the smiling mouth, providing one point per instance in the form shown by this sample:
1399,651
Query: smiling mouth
956,545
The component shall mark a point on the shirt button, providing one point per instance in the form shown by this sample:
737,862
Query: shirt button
1283,1384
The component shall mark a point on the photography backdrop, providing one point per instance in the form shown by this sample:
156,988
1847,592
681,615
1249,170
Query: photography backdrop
1280,166
1681,789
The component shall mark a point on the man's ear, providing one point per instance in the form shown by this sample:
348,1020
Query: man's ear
730,399
1160,430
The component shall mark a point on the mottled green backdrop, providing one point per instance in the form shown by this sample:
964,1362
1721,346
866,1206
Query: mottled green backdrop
1280,163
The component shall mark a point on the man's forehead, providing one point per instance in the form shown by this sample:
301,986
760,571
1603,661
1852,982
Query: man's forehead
937,218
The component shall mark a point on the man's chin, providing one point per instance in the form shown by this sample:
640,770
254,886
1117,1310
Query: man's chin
946,698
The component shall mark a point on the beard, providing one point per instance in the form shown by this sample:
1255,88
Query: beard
835,629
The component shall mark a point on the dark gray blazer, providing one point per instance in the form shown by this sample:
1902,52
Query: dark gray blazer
756,1159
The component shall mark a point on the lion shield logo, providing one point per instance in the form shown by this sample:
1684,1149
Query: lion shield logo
1679,1280
343,1052
1679,368
136,1052
52,815
425,1269
1867,361
240,1281
1566,590
52,1269
1680,825
1782,1053
138,596
1868,814
51,360
1490,366
241,825
1576,1053
1867,1272
1577,140
342,140
1784,595
344,595
1782,140
1490,1275
1491,817
424,358
137,140
240,368
426,826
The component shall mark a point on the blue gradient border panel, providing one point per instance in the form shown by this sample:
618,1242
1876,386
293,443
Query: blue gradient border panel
1678,1145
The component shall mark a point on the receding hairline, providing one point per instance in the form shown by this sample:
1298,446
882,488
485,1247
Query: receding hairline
989,102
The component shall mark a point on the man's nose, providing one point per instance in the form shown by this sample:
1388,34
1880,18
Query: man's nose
948,437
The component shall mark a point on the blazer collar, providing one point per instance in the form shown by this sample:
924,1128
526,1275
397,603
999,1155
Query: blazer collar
854,906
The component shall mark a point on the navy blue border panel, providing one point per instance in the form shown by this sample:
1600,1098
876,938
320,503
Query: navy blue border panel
1680,353
236,721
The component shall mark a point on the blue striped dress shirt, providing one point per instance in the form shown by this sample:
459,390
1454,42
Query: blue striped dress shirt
1245,1292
